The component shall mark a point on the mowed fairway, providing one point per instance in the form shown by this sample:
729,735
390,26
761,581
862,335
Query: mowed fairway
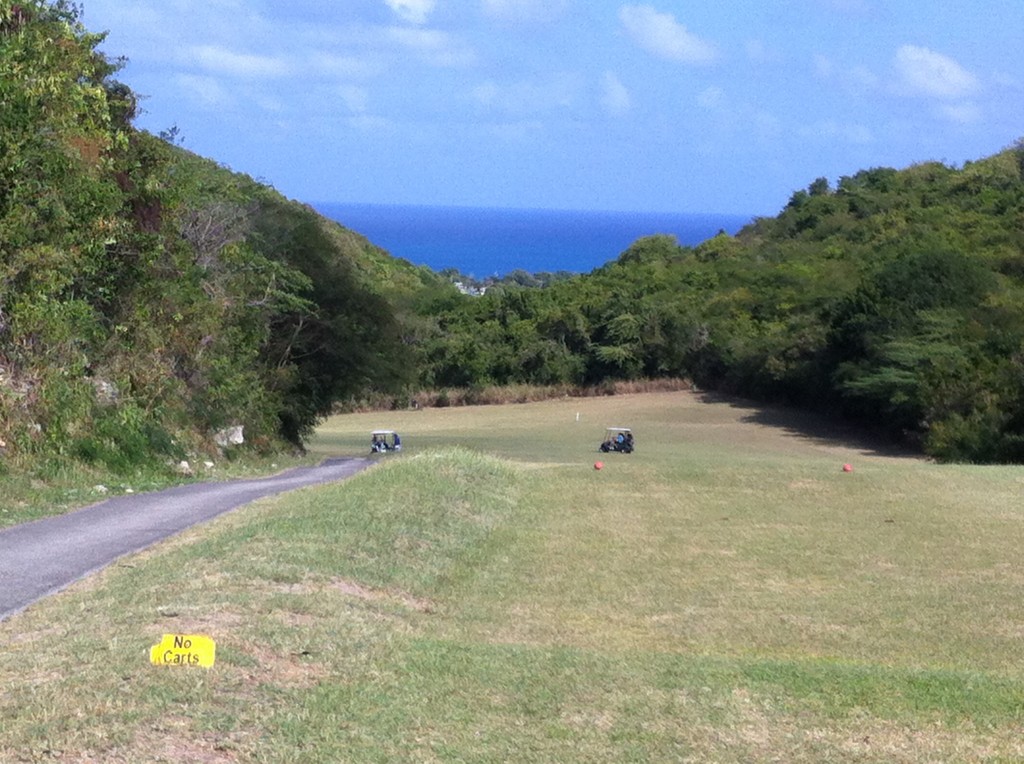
727,593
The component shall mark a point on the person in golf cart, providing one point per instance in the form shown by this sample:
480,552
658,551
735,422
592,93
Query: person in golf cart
618,439
383,441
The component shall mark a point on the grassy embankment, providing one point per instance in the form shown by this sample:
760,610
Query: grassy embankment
727,593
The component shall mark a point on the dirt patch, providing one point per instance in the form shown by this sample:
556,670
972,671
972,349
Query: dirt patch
288,671
357,590
195,620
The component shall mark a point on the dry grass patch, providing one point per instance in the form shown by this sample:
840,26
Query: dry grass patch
353,589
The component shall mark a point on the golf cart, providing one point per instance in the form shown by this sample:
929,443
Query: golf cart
384,441
617,439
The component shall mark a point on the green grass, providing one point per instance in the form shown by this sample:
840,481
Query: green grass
725,594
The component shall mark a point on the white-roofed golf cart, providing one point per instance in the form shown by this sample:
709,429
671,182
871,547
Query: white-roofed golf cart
619,439
385,441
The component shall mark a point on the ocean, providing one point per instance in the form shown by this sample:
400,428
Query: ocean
483,242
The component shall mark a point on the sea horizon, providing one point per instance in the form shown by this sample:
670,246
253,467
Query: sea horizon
493,241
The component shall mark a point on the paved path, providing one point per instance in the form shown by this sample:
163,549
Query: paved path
42,557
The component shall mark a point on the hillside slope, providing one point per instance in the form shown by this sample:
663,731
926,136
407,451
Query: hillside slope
149,298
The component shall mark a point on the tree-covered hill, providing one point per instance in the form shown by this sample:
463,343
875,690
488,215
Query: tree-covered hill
150,298
895,298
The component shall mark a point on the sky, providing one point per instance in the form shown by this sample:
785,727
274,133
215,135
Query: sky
662,106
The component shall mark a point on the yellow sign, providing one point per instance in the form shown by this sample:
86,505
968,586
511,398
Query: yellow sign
184,650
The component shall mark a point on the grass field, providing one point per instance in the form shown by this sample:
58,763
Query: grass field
726,594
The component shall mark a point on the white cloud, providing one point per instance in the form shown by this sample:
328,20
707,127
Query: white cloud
205,90
712,98
369,124
858,79
560,91
413,11
486,94
356,99
965,113
661,35
615,98
760,53
437,48
222,61
268,103
924,72
863,78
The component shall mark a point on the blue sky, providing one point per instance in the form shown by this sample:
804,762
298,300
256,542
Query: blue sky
693,107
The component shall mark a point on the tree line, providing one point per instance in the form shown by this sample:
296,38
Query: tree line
893,299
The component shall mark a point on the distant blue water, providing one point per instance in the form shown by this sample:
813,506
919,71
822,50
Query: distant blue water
482,242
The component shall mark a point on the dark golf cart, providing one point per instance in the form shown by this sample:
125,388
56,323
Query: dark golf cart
385,441
617,439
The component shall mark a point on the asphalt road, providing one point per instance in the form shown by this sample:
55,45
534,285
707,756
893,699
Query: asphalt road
42,557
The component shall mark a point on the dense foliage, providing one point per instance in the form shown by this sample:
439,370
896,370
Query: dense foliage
149,298
894,298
